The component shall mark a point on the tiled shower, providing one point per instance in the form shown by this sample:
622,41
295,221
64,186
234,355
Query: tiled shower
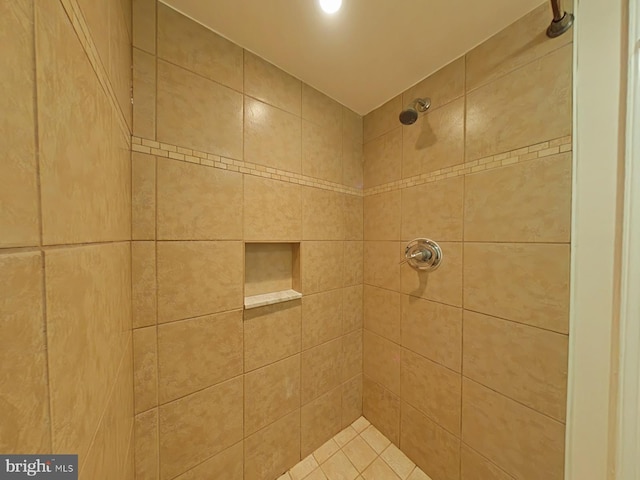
139,240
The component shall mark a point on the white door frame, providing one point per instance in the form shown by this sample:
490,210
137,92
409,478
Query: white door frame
598,161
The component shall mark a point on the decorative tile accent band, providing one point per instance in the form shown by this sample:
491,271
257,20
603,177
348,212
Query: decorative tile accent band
82,31
175,152
539,150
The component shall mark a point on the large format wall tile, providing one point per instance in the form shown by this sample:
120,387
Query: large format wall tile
319,421
525,202
382,361
272,450
433,210
351,355
193,428
143,196
227,464
474,466
433,330
19,216
353,217
190,45
435,141
522,362
197,353
321,369
197,113
526,283
198,278
382,216
322,214
495,123
353,263
320,109
381,267
321,317
144,25
523,442
383,159
145,368
272,210
120,57
435,451
143,278
146,445
91,282
198,203
352,308
518,44
144,88
351,400
271,333
322,151
382,312
441,87
23,357
271,392
351,148
322,264
433,389
85,185
272,137
383,119
268,83
382,409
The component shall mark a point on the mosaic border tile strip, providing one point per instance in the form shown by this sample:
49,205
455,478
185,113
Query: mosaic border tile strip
151,147
539,150
82,31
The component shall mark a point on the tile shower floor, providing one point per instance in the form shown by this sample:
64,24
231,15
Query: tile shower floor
359,452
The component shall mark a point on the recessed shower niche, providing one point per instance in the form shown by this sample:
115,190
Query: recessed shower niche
271,273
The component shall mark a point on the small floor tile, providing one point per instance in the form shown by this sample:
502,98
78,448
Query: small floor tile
398,461
418,474
325,451
360,424
304,468
379,470
345,436
360,453
376,439
339,467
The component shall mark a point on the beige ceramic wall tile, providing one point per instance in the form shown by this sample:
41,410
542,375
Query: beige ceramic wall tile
353,263
352,128
143,196
143,283
145,368
197,113
146,445
183,441
383,159
271,392
320,109
382,361
443,285
351,355
496,276
524,443
321,151
441,87
273,210
272,137
382,312
382,408
434,450
353,217
228,464
495,123
144,25
381,266
321,318
96,14
120,60
144,94
433,389
190,45
197,202
321,369
382,216
273,450
23,356
435,141
271,333
322,214
185,293
194,354
351,401
19,216
322,264
268,83
522,362
352,156
474,466
433,210
383,119
518,44
268,268
80,172
85,282
352,308
320,420
525,202
433,330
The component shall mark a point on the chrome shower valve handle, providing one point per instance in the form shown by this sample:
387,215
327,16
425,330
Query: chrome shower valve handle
423,254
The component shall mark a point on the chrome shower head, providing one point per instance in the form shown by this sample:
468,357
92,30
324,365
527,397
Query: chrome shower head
409,115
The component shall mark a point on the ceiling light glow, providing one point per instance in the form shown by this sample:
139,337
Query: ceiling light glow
330,6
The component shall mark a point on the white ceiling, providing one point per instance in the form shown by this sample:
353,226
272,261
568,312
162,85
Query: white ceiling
368,52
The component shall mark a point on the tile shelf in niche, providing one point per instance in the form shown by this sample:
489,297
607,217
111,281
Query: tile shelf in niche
255,301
